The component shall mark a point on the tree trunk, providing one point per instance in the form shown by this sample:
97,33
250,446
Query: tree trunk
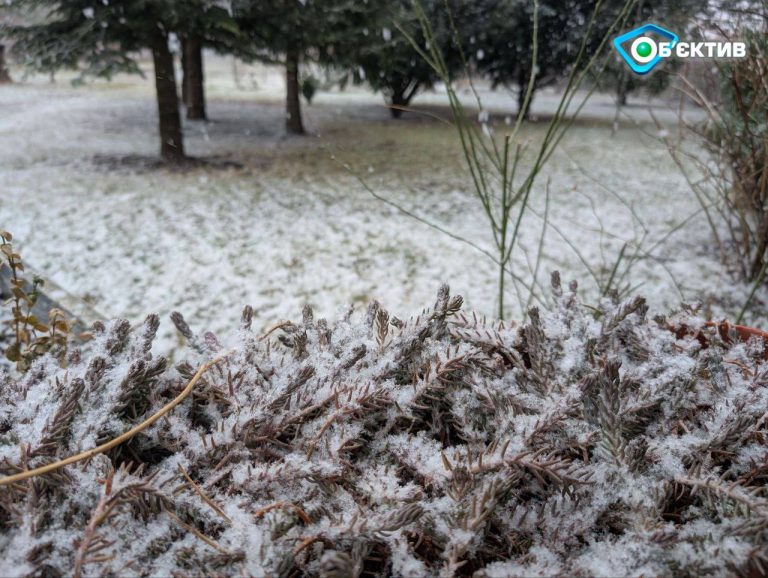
171,143
193,86
397,100
621,89
293,122
401,95
5,78
184,73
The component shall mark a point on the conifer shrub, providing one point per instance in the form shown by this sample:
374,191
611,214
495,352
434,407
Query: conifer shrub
585,441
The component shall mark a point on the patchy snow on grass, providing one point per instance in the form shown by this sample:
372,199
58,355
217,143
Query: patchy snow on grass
288,225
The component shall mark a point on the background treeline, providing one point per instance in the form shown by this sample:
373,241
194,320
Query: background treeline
361,42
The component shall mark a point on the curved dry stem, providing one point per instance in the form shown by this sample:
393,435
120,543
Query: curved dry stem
121,438
136,429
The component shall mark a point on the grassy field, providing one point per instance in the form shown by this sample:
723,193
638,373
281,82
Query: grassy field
277,222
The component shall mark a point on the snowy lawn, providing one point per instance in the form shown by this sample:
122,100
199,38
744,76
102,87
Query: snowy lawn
290,225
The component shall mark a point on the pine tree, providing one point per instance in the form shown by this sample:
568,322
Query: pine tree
381,52
502,42
291,32
103,38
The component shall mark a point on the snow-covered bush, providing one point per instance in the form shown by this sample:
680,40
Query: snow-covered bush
582,442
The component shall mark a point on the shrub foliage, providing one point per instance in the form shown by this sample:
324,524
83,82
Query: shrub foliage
582,442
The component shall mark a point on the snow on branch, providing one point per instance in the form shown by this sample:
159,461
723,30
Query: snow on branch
586,441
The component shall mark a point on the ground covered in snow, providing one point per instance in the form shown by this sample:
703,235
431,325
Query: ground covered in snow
278,222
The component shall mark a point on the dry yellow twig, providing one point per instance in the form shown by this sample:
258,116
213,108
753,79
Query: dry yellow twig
274,327
136,429
121,438
301,513
214,506
326,425
196,532
304,543
98,516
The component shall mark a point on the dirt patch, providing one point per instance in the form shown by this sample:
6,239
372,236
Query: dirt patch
143,163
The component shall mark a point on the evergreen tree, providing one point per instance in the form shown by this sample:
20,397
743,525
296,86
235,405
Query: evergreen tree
501,45
104,38
291,32
382,54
